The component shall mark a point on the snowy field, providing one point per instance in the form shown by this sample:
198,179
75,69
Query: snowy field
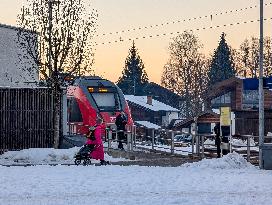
229,180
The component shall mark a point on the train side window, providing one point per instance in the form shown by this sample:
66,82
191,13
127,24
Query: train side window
74,114
117,102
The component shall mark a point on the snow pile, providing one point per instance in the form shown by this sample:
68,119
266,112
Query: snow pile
241,143
209,142
45,156
229,161
40,155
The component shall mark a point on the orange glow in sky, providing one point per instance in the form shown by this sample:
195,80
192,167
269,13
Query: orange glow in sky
118,15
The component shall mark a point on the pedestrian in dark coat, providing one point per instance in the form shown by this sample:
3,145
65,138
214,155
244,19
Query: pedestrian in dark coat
217,139
121,121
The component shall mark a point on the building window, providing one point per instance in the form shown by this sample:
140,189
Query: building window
222,100
250,99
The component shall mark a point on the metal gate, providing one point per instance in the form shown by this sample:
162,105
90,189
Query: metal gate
26,118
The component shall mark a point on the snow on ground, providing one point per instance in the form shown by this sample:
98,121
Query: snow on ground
45,156
166,148
230,181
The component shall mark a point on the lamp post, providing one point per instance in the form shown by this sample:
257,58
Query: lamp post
261,91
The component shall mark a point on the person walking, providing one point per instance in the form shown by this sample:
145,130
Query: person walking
217,139
121,121
96,142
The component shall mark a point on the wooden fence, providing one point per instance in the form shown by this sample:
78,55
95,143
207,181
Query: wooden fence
26,118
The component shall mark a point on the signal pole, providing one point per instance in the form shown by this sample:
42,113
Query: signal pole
261,91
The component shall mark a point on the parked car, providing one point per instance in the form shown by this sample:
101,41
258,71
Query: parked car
183,138
179,138
188,138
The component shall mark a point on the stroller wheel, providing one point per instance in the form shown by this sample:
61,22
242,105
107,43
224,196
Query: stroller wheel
87,162
77,161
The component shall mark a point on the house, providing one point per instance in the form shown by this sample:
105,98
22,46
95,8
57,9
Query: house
144,108
241,95
163,95
15,71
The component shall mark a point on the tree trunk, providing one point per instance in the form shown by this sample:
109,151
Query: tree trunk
56,96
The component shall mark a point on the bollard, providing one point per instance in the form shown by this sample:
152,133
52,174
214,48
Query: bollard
248,148
172,141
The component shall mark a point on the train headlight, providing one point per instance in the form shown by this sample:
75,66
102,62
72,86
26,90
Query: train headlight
91,90
103,90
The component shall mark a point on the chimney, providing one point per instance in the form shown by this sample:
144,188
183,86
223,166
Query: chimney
149,100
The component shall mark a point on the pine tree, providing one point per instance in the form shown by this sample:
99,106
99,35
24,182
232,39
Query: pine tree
222,66
134,77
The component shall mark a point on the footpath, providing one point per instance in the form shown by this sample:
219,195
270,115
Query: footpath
150,158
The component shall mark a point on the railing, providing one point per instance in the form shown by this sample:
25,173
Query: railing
164,144
129,133
202,145
246,145
77,128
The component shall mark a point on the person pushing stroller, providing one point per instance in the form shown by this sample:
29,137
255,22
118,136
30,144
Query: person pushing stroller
94,144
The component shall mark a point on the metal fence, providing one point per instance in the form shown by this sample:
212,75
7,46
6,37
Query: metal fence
26,118
202,145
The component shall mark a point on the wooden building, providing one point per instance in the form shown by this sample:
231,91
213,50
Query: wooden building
241,95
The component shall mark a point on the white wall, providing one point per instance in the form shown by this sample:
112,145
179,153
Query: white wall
13,72
169,117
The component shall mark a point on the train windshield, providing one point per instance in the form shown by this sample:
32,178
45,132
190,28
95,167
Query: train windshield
107,101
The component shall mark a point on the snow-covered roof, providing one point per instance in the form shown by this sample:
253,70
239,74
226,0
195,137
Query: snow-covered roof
148,124
156,105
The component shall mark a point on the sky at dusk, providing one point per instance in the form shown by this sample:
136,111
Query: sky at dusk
118,15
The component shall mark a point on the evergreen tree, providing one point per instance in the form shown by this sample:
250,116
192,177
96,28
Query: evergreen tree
134,77
222,66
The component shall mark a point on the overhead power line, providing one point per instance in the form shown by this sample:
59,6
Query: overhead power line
179,32
182,21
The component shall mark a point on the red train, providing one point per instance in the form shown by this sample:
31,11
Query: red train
89,97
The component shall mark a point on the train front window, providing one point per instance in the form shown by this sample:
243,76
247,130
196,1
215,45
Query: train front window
107,101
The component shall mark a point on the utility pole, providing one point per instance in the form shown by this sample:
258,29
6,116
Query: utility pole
50,26
261,91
